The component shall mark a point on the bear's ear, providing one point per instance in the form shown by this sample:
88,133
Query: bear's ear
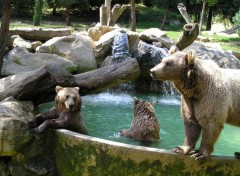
190,57
58,88
135,100
77,88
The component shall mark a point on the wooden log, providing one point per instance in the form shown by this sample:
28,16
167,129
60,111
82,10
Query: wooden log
183,10
189,34
108,76
115,13
39,33
39,85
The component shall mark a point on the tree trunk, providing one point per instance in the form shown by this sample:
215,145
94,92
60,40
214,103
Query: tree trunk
108,6
164,19
202,15
39,85
115,13
103,15
209,19
133,16
6,9
67,15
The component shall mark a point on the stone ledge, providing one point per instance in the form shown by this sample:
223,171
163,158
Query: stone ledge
77,154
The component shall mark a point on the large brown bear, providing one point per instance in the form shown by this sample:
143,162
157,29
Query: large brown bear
66,114
145,125
209,98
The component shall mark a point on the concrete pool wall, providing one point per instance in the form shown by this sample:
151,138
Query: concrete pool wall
78,155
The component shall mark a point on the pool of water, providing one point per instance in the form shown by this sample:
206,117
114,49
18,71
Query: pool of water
107,113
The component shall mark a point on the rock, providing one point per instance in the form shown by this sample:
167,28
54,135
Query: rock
103,46
39,33
223,58
36,44
156,35
62,45
148,56
133,40
77,48
236,54
13,129
17,41
96,32
18,60
45,47
22,152
82,54
203,39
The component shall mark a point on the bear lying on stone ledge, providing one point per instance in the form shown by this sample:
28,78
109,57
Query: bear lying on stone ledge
66,114
209,98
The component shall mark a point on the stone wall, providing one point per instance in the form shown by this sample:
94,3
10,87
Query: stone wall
77,155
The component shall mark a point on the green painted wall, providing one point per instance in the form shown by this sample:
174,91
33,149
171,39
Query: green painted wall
78,155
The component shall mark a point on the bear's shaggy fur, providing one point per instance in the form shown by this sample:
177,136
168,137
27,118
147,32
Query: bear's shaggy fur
145,125
66,114
209,98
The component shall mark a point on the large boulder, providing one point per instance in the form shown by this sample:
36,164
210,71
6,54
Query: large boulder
156,35
77,48
19,60
17,41
148,56
20,151
224,59
82,54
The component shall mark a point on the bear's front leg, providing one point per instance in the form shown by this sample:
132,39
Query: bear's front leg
40,118
50,123
192,127
209,137
192,133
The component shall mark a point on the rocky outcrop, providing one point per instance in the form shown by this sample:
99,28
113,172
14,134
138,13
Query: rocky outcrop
20,60
22,152
156,35
224,59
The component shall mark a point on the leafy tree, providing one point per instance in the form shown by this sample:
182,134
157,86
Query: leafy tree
37,17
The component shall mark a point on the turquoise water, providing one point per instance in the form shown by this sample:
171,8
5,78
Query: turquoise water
106,114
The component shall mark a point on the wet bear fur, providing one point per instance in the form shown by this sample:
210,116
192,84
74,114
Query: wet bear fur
65,115
145,125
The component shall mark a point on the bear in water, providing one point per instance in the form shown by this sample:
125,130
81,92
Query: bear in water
145,125
209,98
66,114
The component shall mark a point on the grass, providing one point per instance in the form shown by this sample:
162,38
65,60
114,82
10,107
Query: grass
228,42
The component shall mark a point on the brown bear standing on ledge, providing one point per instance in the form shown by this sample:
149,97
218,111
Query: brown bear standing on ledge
145,125
66,114
209,98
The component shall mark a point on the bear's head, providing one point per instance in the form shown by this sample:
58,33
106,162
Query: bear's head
174,67
143,106
68,99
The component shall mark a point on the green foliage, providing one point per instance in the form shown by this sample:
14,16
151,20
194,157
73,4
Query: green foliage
236,20
37,17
